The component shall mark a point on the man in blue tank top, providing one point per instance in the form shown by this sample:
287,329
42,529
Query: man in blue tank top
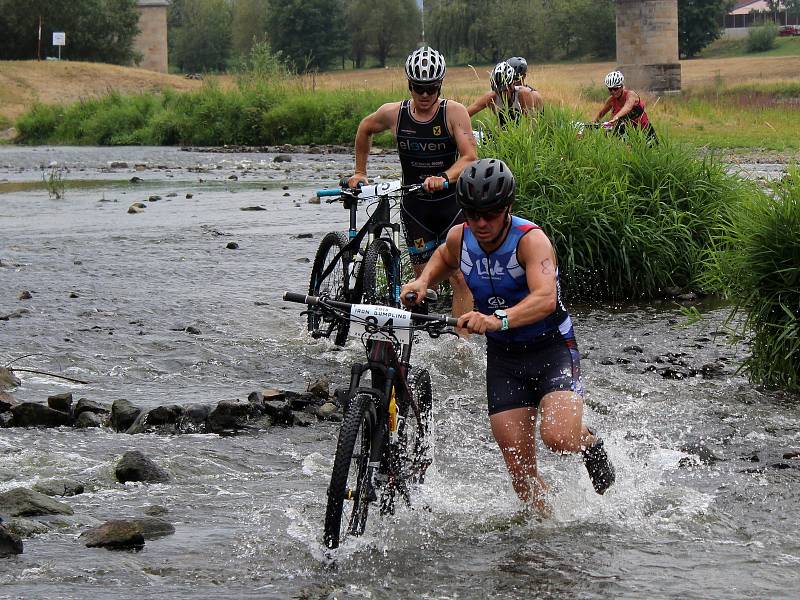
533,364
435,143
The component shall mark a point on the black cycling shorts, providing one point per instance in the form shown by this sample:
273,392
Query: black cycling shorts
426,223
520,375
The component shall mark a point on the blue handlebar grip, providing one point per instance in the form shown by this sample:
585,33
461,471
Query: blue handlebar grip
323,193
446,183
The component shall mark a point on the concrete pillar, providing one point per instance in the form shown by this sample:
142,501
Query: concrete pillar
647,44
151,42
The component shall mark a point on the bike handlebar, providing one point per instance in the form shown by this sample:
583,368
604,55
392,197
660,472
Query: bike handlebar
355,192
345,306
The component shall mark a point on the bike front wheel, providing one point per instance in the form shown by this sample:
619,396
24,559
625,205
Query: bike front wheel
380,283
334,285
350,478
417,433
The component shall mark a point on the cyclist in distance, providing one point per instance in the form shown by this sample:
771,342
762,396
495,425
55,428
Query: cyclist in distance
532,364
626,107
507,100
435,143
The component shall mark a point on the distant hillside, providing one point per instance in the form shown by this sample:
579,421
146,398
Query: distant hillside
24,82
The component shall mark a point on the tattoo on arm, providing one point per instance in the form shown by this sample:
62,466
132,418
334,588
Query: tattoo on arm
547,267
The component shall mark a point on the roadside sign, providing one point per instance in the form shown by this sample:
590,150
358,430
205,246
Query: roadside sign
59,39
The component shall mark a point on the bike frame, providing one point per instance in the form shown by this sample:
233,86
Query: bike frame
389,371
376,224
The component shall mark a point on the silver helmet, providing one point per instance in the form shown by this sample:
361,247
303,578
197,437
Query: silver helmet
425,65
503,76
615,79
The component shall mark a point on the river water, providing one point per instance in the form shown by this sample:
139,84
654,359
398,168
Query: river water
112,294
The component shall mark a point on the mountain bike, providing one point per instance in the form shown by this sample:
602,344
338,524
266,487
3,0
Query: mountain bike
384,442
362,264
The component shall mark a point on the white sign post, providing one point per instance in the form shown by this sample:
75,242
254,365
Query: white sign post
59,39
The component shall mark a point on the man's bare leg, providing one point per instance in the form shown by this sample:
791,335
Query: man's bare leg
515,432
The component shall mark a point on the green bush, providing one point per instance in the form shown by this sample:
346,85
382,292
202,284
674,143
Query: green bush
627,220
757,262
762,38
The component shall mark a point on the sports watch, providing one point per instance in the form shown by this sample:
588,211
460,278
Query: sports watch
503,316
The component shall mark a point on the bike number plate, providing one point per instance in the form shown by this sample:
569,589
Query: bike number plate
379,189
369,319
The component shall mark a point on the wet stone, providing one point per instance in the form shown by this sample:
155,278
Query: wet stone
88,420
31,414
61,402
135,466
22,502
59,487
25,295
232,246
155,510
123,414
7,402
10,543
85,405
26,528
115,535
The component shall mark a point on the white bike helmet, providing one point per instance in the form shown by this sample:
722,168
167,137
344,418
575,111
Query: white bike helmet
502,76
425,65
615,79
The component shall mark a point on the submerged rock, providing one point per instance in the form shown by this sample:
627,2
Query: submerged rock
59,487
117,534
88,419
60,402
153,527
231,415
26,528
135,466
10,543
31,414
85,405
123,414
22,502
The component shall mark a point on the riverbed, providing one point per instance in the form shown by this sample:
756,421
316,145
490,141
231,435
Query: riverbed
705,504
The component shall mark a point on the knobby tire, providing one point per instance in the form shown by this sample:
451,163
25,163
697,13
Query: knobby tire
350,471
335,285
379,278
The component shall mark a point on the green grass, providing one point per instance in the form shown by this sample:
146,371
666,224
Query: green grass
627,220
757,262
260,113
727,48
721,116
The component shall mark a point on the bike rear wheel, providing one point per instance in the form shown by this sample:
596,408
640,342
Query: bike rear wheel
334,285
379,276
349,480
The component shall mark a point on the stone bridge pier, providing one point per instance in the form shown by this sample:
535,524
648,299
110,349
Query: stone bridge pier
647,45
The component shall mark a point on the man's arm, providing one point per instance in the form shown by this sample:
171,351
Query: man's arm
443,264
479,104
381,120
633,98
530,101
461,128
604,110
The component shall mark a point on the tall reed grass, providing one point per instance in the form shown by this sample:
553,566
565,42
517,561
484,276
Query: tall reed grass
757,263
627,220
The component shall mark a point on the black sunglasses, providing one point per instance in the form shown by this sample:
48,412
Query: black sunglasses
487,215
615,88
422,88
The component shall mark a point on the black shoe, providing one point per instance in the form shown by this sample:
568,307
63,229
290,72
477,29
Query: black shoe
600,469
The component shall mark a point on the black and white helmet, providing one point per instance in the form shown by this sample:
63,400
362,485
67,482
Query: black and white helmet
425,65
502,76
485,185
615,79
520,66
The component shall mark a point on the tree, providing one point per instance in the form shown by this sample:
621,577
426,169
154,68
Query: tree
96,30
699,24
392,25
309,33
357,27
202,42
249,24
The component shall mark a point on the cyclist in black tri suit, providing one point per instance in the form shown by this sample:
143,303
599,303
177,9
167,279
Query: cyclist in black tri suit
507,100
532,359
435,142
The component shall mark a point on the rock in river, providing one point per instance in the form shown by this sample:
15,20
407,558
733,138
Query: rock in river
118,534
135,466
10,544
31,414
22,502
